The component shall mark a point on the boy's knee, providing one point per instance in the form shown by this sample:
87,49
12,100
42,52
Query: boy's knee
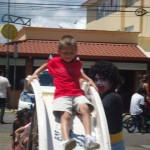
84,108
66,116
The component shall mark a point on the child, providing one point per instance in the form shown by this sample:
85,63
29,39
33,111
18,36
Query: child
68,96
23,117
22,136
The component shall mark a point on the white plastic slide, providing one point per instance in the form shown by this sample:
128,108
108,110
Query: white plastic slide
49,133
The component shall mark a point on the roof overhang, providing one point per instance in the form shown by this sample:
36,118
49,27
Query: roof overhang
89,3
86,50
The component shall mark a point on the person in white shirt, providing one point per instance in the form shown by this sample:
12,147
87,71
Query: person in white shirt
137,104
4,90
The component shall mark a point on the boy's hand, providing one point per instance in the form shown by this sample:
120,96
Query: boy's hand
92,83
31,77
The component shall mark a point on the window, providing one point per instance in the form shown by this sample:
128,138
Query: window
107,7
130,2
115,5
129,29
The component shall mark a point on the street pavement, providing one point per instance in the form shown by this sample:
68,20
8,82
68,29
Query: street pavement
133,141
136,141
6,129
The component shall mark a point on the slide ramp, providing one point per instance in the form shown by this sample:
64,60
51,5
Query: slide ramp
49,133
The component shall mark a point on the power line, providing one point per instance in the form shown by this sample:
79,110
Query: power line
62,4
72,9
44,8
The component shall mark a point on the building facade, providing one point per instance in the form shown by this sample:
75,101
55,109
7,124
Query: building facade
120,15
34,45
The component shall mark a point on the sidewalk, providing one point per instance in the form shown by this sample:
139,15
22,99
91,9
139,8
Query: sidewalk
6,129
10,110
135,148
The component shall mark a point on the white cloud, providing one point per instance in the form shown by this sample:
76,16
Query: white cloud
45,16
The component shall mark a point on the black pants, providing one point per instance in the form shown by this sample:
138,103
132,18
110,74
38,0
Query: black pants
2,107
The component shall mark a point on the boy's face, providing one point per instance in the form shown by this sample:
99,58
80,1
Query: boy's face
68,54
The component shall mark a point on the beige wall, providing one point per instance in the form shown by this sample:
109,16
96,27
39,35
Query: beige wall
113,22
35,33
110,23
144,42
119,20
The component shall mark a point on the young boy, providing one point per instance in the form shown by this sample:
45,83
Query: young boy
68,96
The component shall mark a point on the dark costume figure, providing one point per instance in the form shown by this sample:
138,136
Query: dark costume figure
106,77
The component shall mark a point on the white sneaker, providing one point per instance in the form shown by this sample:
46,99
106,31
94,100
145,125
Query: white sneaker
69,145
90,143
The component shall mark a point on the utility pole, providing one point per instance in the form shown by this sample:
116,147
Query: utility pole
7,51
9,31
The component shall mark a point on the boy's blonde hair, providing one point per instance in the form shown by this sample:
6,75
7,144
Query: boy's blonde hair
67,41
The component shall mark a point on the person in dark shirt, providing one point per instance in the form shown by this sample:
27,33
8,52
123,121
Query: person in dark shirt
122,91
106,77
143,87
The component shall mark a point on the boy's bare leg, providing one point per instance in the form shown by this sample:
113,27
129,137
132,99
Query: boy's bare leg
68,144
86,120
65,125
90,142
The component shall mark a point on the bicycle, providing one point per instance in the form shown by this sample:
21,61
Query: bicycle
125,118
137,122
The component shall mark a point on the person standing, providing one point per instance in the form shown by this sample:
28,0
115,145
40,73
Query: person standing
107,77
122,91
4,90
143,87
137,104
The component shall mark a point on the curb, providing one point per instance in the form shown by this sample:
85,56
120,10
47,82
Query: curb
11,110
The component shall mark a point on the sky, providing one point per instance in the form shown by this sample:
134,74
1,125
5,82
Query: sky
47,13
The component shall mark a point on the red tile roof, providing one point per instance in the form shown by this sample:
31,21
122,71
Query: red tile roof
86,50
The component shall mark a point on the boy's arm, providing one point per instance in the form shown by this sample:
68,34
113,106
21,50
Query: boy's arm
89,80
38,71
